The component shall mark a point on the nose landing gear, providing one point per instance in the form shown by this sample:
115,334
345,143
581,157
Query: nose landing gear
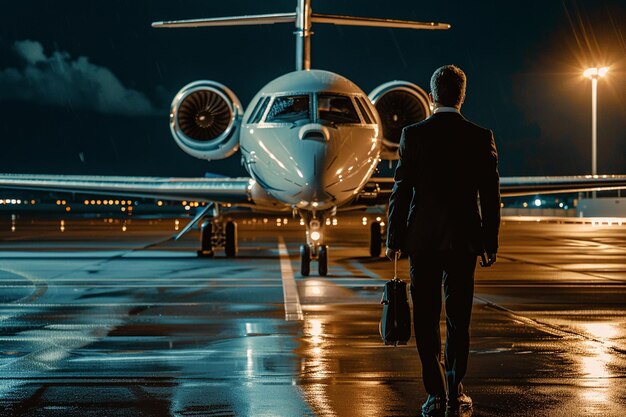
314,249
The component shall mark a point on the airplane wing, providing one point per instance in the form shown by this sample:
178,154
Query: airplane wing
377,190
520,186
240,190
222,190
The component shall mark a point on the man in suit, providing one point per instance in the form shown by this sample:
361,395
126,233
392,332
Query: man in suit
444,211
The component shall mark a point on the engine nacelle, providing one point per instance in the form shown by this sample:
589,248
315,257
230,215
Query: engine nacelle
399,104
205,119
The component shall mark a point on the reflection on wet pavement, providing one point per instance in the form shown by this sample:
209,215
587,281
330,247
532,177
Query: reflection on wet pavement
101,322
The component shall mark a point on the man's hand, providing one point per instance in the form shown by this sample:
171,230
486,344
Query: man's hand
488,260
491,259
391,253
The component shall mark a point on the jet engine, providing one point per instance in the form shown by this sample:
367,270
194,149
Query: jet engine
399,104
205,119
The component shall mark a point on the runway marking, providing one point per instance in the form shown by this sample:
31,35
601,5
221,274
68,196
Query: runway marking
522,259
293,308
39,286
361,268
549,328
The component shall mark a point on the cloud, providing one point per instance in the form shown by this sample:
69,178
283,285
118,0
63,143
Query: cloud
59,80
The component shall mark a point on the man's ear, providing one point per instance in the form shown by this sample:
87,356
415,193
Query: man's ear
430,97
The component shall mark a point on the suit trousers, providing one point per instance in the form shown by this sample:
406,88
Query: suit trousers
428,271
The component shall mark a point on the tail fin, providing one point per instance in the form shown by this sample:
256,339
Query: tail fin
268,19
303,19
259,19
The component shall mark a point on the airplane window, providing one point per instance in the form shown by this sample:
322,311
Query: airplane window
289,109
337,109
258,111
364,112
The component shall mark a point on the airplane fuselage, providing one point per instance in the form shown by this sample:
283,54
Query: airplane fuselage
311,139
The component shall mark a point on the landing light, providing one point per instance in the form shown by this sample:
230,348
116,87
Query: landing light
315,235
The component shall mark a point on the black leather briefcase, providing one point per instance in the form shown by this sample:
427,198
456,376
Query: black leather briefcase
395,324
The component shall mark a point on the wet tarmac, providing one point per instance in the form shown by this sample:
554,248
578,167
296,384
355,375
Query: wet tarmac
110,318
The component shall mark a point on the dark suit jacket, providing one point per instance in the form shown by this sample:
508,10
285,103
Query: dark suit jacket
446,194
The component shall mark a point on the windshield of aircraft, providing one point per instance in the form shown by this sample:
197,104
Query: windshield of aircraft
289,109
336,109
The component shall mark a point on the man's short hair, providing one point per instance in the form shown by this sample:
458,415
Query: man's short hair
448,85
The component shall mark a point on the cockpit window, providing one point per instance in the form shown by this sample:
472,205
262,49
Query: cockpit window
364,110
289,109
337,109
258,111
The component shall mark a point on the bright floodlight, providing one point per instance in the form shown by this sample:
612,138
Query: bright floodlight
595,72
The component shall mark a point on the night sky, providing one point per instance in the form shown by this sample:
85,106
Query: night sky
85,86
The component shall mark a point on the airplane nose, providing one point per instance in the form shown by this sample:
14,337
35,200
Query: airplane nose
314,131
314,172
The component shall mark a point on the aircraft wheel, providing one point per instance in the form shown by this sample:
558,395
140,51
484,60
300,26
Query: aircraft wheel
206,245
375,239
305,260
230,243
322,260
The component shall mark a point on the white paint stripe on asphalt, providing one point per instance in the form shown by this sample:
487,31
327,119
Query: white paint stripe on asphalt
293,309
361,268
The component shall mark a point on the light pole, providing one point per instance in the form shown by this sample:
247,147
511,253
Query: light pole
594,74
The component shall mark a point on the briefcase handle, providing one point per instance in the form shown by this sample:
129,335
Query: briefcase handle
396,256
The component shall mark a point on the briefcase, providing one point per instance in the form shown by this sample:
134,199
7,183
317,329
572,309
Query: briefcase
395,324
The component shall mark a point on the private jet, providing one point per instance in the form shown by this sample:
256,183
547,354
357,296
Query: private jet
310,140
